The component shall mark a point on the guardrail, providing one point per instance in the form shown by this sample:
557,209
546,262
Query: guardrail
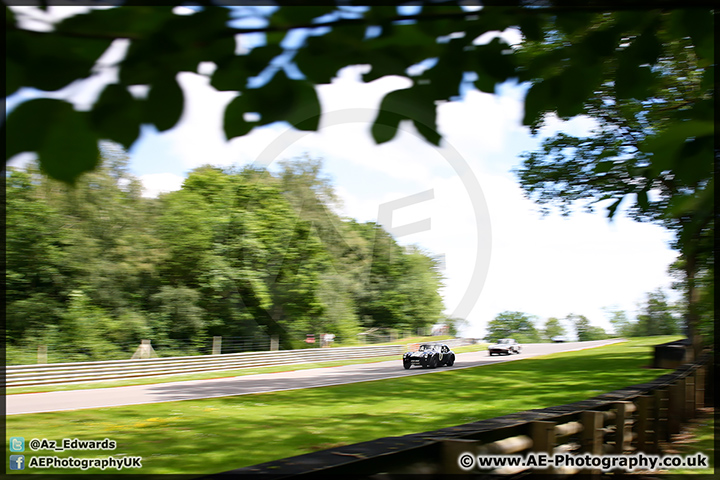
633,419
57,373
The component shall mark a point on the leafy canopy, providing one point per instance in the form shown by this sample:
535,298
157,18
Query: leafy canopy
274,57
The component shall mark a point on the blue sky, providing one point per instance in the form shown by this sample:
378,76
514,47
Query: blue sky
500,254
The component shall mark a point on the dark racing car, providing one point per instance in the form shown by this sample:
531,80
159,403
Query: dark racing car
429,355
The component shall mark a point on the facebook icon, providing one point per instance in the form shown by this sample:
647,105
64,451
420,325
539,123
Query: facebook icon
17,462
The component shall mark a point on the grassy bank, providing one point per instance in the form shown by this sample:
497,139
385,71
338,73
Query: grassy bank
214,435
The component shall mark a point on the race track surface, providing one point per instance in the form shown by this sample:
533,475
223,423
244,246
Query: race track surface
260,383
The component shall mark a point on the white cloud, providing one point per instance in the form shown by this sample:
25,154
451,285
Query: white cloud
482,122
156,183
554,266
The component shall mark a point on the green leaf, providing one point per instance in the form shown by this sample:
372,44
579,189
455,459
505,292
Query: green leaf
633,81
339,48
601,42
233,74
165,103
13,76
281,99
699,24
531,26
178,44
61,136
287,16
665,145
411,103
604,167
571,21
397,49
50,62
443,80
130,23
490,60
612,208
117,115
576,85
646,48
537,102
694,160
234,120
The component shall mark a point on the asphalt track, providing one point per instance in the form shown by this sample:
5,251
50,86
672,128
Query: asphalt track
260,383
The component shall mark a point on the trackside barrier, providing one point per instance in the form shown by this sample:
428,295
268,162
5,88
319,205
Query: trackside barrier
57,373
630,420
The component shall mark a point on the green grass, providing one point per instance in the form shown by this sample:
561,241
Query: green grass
216,374
215,435
698,436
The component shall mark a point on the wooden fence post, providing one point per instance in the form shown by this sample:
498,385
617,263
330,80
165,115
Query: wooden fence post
592,436
700,387
543,438
452,449
42,354
660,424
689,396
217,345
623,424
642,427
676,402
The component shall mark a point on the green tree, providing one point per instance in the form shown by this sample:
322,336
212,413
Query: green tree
584,330
84,329
553,328
35,269
622,326
455,325
96,237
596,333
656,317
581,325
704,291
517,325
648,85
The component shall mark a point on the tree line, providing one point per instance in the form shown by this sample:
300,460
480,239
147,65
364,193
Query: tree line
96,267
657,316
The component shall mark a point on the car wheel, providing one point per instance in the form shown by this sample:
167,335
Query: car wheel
433,362
407,364
491,354
451,361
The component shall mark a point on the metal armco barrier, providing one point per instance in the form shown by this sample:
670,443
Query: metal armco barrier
56,373
632,419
